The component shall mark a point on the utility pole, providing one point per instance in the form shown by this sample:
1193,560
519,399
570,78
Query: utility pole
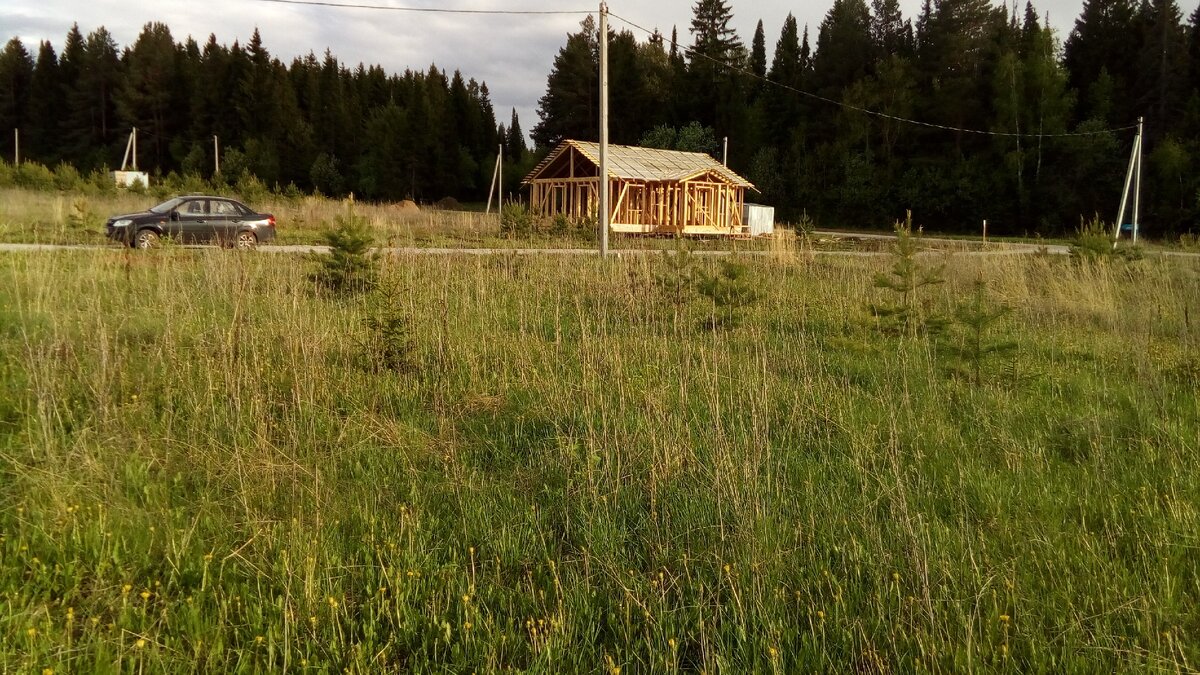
135,148
16,147
1135,168
1137,180
216,156
725,152
602,221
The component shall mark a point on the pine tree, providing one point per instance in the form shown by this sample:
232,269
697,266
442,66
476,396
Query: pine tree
758,57
145,98
568,109
16,77
515,148
45,106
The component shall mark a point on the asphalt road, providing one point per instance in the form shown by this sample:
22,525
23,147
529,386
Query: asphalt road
989,249
1006,248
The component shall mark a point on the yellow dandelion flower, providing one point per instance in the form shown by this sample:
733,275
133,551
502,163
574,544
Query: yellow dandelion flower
820,614
140,643
466,598
125,589
47,671
145,595
32,632
258,639
1004,618
332,601
774,652
467,626
671,644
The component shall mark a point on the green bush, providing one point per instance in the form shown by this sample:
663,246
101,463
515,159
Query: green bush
730,291
351,266
515,219
34,176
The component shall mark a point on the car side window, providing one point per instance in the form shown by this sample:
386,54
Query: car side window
194,207
222,208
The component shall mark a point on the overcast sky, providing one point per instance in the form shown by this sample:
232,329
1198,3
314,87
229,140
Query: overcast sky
513,54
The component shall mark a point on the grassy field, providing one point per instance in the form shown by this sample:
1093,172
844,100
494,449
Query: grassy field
207,467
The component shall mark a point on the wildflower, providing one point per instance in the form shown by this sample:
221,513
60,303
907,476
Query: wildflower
258,639
671,644
467,626
31,632
774,653
1004,618
141,643
820,614
125,589
332,602
134,398
95,620
207,557
1004,651
70,615
466,598
312,620
895,576
145,595
47,671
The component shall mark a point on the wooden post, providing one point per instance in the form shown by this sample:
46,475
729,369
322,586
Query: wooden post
602,220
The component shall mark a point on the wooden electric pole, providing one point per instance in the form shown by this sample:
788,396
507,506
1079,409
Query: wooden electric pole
603,215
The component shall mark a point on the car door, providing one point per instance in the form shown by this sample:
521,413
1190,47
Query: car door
226,218
194,223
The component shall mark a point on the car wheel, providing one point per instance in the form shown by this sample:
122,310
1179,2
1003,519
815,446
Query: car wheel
245,240
145,239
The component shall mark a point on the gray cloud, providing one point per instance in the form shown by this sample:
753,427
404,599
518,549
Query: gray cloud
513,54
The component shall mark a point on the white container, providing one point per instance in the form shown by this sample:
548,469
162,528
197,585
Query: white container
759,219
128,179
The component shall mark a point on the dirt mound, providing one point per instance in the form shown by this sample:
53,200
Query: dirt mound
407,206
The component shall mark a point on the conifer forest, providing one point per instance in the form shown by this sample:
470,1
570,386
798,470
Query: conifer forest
969,110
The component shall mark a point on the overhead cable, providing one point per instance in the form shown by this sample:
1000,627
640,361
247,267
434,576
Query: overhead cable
429,10
867,111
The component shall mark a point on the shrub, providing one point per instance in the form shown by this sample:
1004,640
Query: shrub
351,266
515,219
730,291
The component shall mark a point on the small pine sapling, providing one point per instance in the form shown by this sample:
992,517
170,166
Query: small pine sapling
351,266
977,319
674,278
905,281
730,291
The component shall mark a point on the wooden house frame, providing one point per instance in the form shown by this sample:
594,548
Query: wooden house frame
650,191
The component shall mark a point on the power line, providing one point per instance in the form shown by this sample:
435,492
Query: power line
867,111
428,10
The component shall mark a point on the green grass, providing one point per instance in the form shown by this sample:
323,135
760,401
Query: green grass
200,472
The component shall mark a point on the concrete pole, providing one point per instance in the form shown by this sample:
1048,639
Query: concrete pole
16,147
1137,181
603,215
1133,155
216,156
725,152
135,148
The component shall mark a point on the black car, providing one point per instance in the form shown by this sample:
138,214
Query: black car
194,219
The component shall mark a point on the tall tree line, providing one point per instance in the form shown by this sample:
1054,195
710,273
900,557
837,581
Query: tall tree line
801,124
314,123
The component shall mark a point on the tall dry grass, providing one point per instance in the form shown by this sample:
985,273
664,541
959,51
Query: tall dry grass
202,471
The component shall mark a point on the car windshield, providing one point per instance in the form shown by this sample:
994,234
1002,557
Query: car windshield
167,206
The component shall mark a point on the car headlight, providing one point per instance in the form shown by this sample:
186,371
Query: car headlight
124,222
